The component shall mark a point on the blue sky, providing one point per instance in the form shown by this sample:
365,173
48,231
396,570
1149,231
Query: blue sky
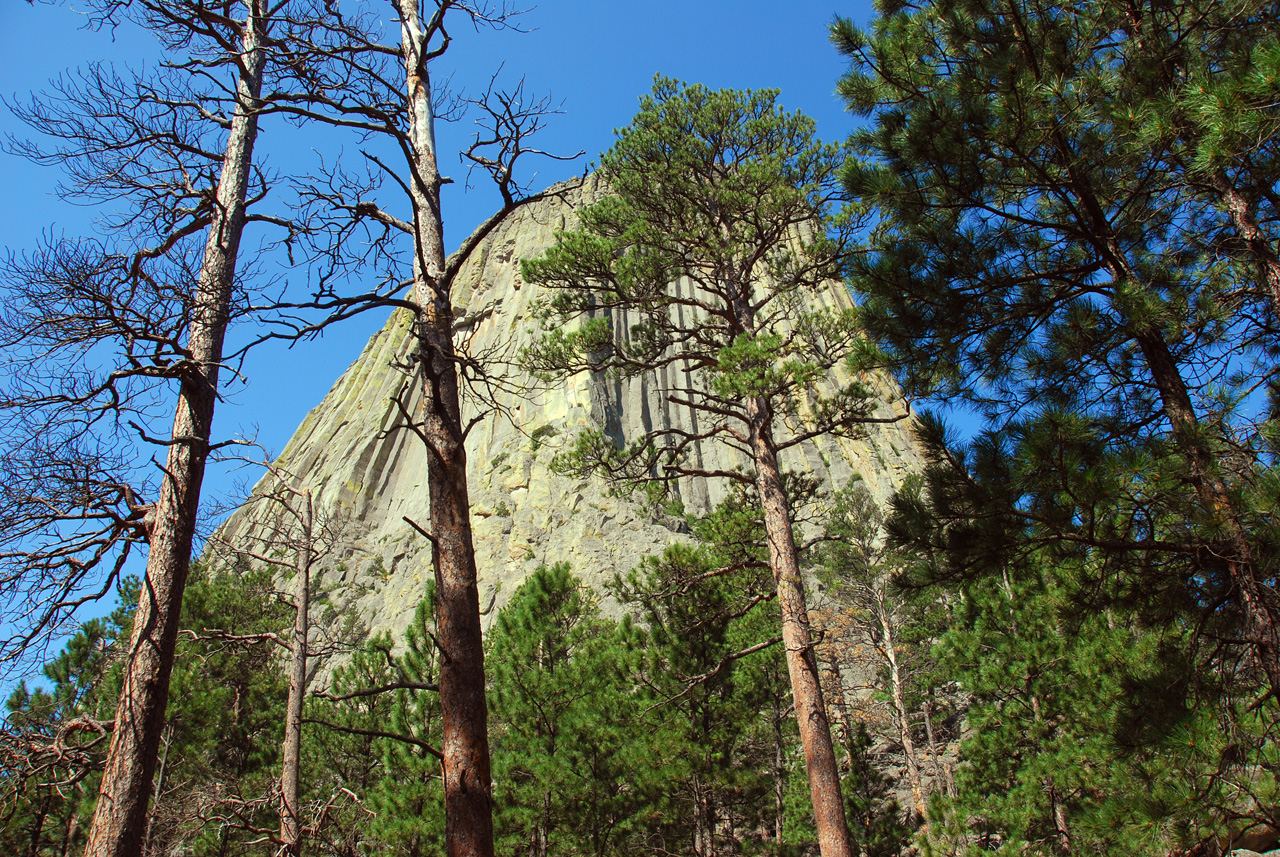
596,57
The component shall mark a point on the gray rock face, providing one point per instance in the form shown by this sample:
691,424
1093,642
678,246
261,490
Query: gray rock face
369,471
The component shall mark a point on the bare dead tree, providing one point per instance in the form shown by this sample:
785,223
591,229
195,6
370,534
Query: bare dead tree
68,524
151,304
292,538
383,88
96,331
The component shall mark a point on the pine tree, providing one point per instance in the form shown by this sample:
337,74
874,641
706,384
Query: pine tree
1063,756
730,193
717,671
372,758
1053,262
408,800
54,741
578,763
221,739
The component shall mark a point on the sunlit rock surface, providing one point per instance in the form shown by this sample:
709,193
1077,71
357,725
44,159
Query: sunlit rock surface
369,472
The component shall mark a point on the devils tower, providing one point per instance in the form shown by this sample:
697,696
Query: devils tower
367,470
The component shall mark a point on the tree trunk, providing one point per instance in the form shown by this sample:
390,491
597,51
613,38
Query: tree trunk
702,837
1259,622
37,832
1059,810
291,764
802,662
120,819
464,715
148,839
941,770
779,775
1246,225
73,825
888,650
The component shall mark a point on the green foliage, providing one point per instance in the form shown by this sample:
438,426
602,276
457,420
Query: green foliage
368,755
713,660
875,822
408,800
877,826
1087,258
576,768
730,195
539,436
223,730
49,797
1058,723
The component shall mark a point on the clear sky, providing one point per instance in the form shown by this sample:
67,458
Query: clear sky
597,57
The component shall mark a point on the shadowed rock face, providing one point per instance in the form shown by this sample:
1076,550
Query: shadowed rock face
367,470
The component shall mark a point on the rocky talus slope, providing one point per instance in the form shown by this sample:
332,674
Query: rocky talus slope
368,471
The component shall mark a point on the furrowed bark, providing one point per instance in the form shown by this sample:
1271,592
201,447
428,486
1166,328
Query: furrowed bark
802,662
464,713
1212,491
1241,215
120,819
291,764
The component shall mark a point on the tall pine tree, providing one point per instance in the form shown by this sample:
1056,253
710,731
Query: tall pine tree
717,236
1051,260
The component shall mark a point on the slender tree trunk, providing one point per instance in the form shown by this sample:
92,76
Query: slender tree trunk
941,770
37,832
701,835
840,702
779,774
1259,621
120,819
543,829
707,807
291,764
1059,812
73,825
888,650
802,662
148,841
464,715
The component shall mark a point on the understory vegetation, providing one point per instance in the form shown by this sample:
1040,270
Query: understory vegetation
669,734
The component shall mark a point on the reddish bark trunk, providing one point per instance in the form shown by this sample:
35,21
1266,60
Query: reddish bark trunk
120,819
464,714
1241,215
802,662
1260,623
